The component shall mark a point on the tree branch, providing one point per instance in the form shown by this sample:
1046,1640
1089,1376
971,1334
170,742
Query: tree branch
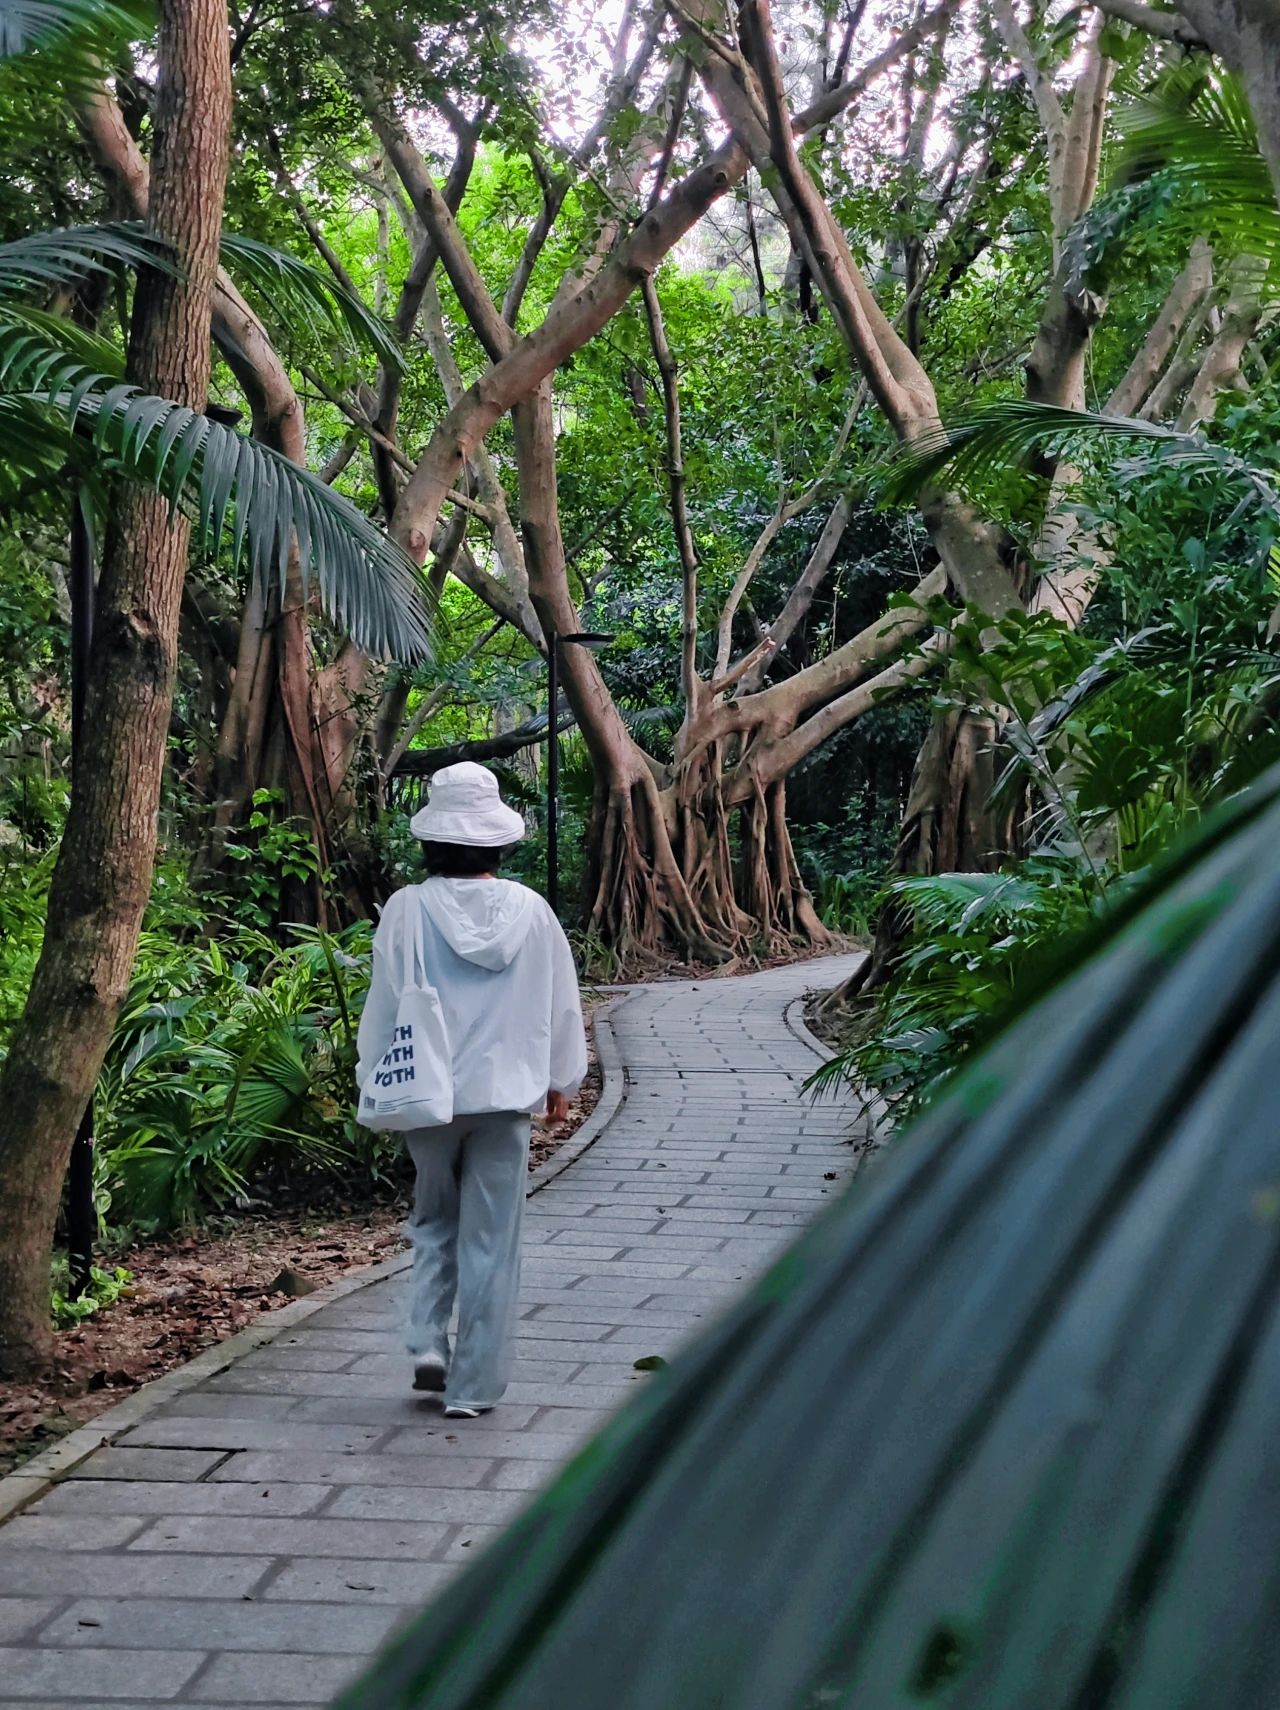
676,489
1165,26
802,594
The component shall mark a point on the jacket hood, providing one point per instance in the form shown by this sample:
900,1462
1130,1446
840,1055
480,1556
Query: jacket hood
485,921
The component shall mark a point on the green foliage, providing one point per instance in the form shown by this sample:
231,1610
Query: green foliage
105,1289
54,403
976,940
1114,749
233,1058
984,445
1192,141
272,854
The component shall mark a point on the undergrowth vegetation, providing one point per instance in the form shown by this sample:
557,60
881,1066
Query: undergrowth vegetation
1115,738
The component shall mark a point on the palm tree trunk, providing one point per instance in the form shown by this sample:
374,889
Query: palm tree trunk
103,876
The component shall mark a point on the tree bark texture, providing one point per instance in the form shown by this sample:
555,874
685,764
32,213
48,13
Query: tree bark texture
103,874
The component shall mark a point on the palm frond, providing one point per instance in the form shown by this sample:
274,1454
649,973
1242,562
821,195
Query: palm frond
65,254
1002,436
230,484
294,291
1197,134
55,51
60,26
298,292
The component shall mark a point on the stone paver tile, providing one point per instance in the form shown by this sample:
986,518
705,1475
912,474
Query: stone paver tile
577,1423
83,1496
607,1287
551,1330
143,1675
603,1396
406,1585
601,1374
469,1542
172,1624
307,1384
351,1341
610,1354
20,1616
551,1367
522,1475
655,1270
548,1445
200,1404
299,1359
611,1220
387,1412
330,1470
688,1218
252,1434
579,1249
170,1466
33,1530
576,1314
446,1507
293,1680
82,1573
214,1534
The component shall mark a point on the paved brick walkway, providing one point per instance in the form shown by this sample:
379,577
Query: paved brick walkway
253,1539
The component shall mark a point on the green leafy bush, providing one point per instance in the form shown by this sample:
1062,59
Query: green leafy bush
233,1056
105,1289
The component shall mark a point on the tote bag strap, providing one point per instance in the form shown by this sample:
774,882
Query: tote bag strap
415,955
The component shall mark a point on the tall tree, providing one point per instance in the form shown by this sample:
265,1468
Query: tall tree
103,875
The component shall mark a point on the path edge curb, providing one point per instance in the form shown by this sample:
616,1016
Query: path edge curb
793,1019
31,1481
613,1090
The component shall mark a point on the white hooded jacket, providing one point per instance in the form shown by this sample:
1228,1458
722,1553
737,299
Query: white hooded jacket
497,957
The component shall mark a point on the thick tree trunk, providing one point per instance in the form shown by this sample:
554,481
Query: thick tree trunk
102,879
949,826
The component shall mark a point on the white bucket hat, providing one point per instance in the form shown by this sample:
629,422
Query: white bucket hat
464,806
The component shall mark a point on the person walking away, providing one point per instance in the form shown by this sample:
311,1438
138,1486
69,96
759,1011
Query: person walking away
503,972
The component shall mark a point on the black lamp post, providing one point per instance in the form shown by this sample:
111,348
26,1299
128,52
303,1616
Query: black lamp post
593,642
82,1217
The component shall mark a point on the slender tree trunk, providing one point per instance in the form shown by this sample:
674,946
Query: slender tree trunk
103,876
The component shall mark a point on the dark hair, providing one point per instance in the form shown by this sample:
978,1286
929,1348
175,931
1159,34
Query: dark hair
461,860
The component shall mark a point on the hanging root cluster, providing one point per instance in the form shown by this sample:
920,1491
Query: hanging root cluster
666,883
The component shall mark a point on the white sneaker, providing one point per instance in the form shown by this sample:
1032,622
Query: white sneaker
454,1411
429,1373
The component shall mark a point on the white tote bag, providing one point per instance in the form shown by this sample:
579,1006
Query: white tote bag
411,1086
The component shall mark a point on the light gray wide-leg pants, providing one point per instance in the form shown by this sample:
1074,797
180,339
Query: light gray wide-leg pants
468,1205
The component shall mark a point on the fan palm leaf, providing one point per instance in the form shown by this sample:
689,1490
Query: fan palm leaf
299,294
294,292
232,486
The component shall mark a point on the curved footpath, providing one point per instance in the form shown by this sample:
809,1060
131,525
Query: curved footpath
257,1522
